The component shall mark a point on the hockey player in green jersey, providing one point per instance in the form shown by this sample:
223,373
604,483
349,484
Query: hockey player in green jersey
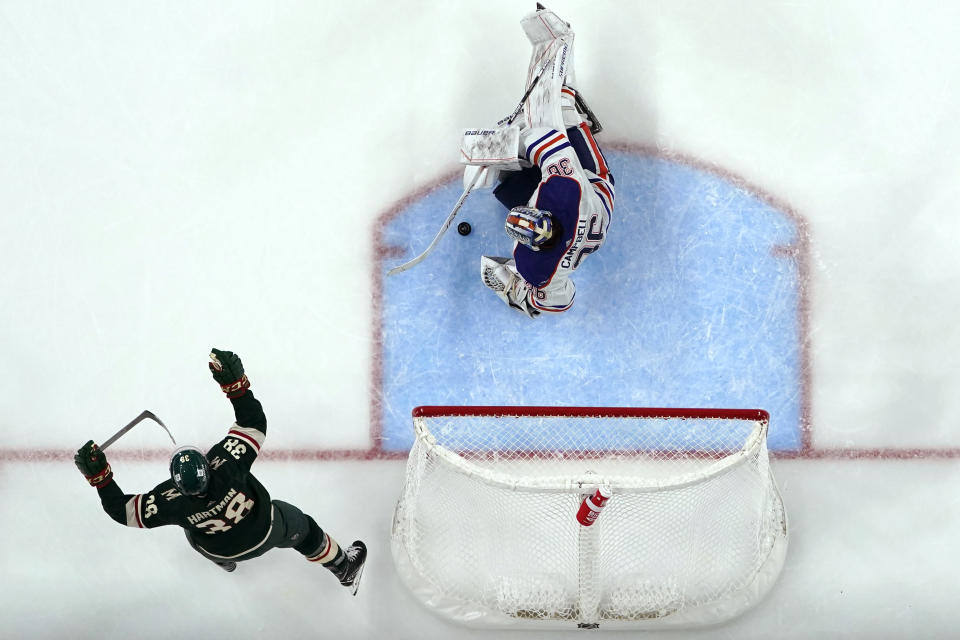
227,514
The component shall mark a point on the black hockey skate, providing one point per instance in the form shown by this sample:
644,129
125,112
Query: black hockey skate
227,566
352,570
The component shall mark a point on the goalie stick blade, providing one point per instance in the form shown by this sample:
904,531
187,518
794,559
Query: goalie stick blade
443,229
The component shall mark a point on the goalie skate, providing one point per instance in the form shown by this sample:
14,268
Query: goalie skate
575,110
500,276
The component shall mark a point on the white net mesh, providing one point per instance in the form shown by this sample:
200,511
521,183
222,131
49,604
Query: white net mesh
485,529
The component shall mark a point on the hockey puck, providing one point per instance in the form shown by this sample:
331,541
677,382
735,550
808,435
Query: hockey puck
464,228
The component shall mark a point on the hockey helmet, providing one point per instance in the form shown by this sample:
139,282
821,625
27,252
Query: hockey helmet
190,471
530,227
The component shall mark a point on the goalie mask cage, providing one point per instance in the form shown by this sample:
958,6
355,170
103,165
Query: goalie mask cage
485,530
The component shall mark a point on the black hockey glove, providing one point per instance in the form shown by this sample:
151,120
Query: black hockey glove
227,370
93,465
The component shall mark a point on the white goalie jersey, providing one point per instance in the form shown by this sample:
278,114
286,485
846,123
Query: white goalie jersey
575,185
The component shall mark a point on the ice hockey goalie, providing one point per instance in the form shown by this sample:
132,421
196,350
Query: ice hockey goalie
560,200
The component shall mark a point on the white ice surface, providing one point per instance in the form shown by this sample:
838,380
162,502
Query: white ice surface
180,176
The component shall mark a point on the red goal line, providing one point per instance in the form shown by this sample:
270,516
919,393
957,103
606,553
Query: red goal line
31,455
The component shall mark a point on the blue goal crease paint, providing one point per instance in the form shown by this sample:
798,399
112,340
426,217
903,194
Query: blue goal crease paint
695,300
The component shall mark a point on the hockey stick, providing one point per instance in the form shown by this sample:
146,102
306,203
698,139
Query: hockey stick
466,192
146,415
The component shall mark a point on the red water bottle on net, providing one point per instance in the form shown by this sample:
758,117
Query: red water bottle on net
592,505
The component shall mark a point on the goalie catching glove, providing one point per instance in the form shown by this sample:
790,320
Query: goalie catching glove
227,370
92,463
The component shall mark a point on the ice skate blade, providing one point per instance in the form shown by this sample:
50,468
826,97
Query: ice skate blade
356,581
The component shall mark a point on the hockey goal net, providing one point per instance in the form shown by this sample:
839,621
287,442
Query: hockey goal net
485,530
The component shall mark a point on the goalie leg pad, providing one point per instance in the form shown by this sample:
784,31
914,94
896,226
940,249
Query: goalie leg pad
552,41
544,25
500,276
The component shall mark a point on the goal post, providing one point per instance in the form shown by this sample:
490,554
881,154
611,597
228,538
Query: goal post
486,531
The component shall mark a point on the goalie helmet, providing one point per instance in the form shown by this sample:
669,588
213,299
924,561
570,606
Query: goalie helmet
529,226
190,471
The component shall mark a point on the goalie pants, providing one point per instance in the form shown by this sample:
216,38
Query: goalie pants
288,527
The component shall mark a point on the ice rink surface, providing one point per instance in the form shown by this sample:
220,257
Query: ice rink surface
176,177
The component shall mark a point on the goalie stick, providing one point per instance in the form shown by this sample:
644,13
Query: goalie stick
146,415
507,121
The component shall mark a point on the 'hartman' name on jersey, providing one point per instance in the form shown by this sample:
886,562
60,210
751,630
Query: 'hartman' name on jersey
203,515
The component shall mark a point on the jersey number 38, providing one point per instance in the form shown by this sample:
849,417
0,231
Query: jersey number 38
236,510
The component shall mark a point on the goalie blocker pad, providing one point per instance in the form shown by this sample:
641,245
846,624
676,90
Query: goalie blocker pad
492,147
487,152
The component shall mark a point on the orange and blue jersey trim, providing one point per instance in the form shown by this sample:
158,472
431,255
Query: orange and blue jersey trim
603,189
603,171
546,146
